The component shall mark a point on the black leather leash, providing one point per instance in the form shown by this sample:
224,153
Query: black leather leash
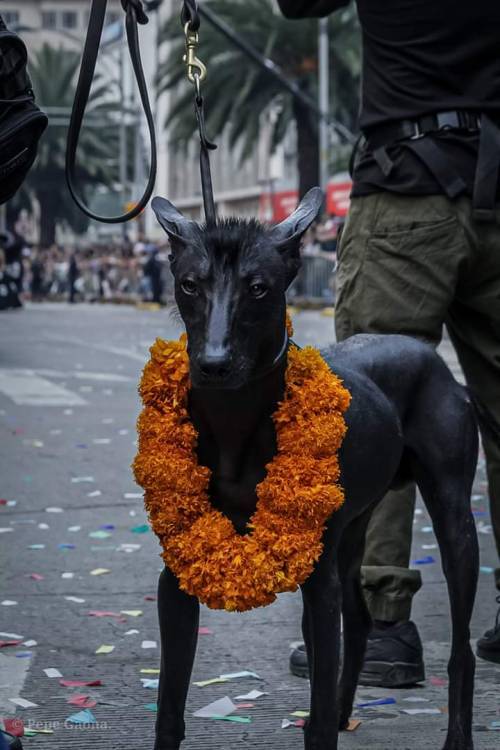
136,15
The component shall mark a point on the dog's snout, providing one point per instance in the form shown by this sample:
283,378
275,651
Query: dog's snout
215,367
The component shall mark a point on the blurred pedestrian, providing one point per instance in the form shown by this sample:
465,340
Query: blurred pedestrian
153,271
73,274
420,249
9,295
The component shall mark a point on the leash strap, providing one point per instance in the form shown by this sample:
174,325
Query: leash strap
487,172
134,15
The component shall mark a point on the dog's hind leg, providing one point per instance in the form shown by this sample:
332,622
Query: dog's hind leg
179,618
356,617
321,594
444,469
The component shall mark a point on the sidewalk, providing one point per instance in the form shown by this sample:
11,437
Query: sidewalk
68,406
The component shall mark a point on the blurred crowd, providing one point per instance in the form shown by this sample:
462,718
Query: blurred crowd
134,271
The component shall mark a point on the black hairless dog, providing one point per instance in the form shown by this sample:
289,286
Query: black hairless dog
408,419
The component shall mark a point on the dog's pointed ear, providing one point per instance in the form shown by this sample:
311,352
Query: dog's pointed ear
292,228
179,229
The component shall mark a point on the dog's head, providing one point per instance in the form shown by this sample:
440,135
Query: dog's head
230,284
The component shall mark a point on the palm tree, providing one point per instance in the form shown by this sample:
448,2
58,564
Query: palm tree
53,73
237,92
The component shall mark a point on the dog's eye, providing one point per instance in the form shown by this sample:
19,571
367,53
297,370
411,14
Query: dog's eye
257,289
188,286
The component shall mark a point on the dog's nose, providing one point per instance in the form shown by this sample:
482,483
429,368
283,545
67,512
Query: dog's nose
215,366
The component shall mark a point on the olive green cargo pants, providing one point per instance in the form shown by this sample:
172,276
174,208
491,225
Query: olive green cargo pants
409,264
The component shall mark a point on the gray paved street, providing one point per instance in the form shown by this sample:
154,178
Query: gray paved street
68,405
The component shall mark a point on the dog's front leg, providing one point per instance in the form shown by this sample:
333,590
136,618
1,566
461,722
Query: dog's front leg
179,617
322,603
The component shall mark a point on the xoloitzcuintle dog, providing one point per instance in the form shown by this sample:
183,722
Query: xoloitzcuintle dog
408,419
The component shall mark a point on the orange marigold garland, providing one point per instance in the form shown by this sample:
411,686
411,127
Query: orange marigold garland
222,569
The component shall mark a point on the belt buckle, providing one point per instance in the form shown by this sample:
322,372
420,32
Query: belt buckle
417,132
448,120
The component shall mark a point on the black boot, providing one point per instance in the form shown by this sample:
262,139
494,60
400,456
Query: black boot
488,647
394,657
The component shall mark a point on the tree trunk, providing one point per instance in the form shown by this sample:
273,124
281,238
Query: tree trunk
48,200
307,148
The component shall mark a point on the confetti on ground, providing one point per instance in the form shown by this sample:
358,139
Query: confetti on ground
23,703
43,526
251,696
35,576
241,706
74,599
416,699
285,723
131,612
30,643
51,672
205,631
131,632
80,683
104,649
94,493
424,561
80,480
142,529
429,546
4,644
126,547
99,571
220,708
13,726
65,545
101,441
300,714
9,603
105,613
353,725
11,636
238,675
6,530
74,529
83,701
151,706
438,681
150,683
54,509
426,529
99,534
206,683
133,495
36,546
30,732
236,719
486,569
148,644
415,711
67,574
378,702
82,717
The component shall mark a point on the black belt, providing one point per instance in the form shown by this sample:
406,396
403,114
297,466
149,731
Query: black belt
411,134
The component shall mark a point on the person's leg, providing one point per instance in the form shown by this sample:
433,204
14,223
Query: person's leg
474,327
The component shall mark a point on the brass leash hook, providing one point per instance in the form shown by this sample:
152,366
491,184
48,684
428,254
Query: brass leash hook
196,70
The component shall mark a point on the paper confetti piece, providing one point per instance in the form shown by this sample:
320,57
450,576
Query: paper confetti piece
83,701
5,530
23,654
486,569
353,725
131,612
5,644
424,561
30,732
104,613
219,708
131,632
104,649
415,711
65,545
236,719
82,717
416,699
101,441
11,636
99,534
149,644
94,493
150,683
241,706
23,703
43,526
80,480
238,675
151,706
30,643
142,529
300,714
251,696
127,547
53,509
8,603
378,702
429,546
133,495
74,529
80,683
99,571
438,681
74,599
206,683
51,672
426,529
150,671
67,574
205,631
35,576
